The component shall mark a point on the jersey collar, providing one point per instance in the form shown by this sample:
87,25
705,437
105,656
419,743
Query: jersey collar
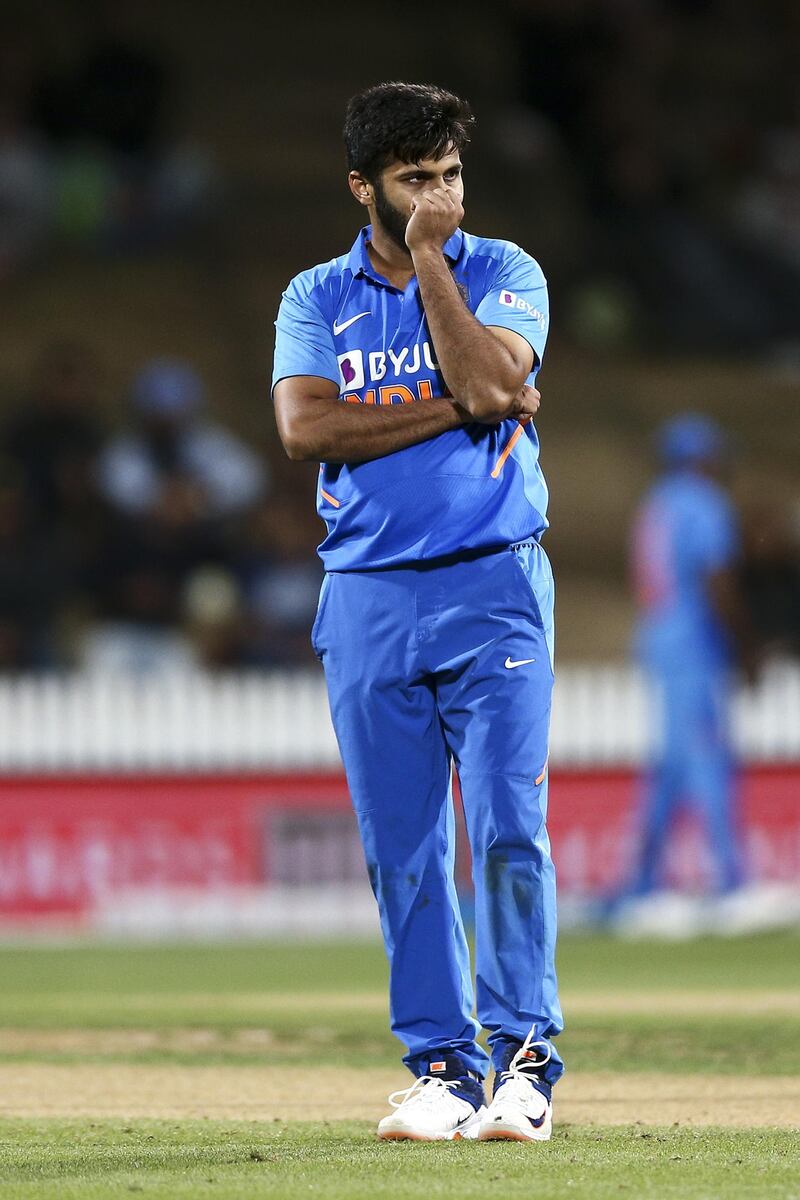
359,262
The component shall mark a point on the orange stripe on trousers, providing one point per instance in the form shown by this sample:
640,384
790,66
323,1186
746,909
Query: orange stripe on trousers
331,499
511,443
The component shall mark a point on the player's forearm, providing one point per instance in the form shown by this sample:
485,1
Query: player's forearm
478,369
337,432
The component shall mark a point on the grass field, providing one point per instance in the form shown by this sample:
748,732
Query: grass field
249,1071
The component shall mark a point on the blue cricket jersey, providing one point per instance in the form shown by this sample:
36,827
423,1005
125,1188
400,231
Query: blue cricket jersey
475,487
685,530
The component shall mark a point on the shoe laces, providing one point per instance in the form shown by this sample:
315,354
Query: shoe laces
522,1066
427,1090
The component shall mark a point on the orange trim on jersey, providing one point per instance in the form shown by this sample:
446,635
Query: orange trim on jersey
388,391
331,499
540,778
510,444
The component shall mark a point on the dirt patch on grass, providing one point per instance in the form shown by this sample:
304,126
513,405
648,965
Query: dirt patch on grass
262,1005
329,1093
121,1043
682,1003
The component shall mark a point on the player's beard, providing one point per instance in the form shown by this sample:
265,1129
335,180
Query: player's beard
393,221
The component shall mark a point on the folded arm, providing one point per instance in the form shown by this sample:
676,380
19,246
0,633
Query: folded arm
315,425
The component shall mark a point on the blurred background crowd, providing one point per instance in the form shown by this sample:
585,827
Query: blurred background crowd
155,545
165,170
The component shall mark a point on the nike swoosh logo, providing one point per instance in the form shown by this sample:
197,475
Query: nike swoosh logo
337,329
521,662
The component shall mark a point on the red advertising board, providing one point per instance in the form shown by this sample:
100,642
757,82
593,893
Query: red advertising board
68,844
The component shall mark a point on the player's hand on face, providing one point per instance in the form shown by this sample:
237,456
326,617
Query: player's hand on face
435,216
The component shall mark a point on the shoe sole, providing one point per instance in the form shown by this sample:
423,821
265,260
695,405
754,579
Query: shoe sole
455,1136
419,1137
511,1135
503,1129
468,1132
499,1132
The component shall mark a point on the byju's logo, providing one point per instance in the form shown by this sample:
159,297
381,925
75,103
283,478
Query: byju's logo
351,371
512,300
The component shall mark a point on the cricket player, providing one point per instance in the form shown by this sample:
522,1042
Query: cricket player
406,368
692,630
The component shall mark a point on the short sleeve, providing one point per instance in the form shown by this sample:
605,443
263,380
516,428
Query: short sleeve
303,339
517,300
714,534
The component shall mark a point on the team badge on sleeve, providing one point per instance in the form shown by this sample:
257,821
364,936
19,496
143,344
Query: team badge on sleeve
512,300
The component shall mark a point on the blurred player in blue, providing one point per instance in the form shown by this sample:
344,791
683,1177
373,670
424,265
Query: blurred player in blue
405,367
692,632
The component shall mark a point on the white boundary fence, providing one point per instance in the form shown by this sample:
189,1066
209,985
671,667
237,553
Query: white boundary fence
280,721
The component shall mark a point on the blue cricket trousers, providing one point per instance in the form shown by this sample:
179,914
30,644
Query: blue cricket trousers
452,660
695,765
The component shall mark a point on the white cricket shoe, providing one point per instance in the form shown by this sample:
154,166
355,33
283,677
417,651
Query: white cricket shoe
429,1112
519,1112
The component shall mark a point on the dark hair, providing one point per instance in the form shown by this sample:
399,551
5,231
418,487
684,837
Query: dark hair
405,122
